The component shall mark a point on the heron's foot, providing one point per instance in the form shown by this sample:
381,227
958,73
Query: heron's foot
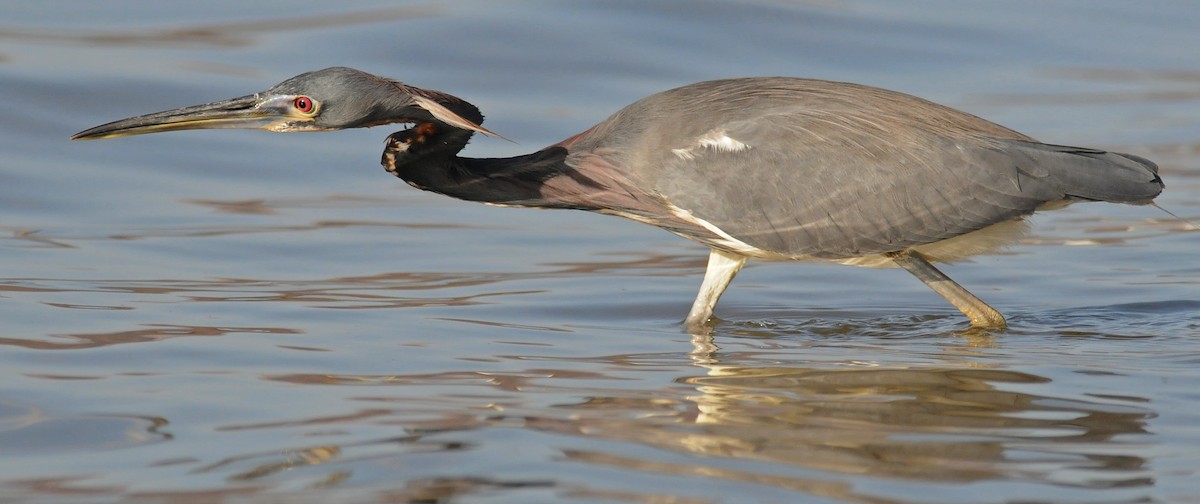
700,325
982,316
985,317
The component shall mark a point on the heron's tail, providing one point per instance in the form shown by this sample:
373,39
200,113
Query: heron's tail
1088,174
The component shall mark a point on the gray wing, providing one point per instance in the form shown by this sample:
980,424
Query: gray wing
811,168
821,194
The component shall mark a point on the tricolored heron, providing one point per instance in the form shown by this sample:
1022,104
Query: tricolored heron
769,168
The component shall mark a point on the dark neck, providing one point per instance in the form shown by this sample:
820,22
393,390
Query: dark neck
506,181
428,160
426,156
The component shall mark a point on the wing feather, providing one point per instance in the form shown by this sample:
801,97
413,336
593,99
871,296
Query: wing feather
797,167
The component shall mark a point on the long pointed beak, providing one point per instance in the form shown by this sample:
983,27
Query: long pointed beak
254,111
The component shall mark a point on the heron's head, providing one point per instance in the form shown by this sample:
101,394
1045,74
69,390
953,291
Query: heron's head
330,99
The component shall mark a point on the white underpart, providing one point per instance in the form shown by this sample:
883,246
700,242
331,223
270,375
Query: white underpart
963,246
949,250
716,140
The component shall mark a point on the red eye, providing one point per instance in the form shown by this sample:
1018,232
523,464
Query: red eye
303,104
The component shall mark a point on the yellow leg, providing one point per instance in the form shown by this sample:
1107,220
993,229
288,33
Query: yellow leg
979,312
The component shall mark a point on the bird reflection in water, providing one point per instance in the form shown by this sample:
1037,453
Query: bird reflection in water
820,429
945,425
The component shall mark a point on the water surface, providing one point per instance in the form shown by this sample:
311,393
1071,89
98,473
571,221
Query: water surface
232,316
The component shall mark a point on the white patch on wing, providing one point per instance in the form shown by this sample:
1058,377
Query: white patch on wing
716,140
722,142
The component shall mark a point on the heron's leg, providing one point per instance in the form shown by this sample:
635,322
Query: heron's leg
722,266
979,312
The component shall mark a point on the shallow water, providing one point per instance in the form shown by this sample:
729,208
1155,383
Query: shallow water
231,316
